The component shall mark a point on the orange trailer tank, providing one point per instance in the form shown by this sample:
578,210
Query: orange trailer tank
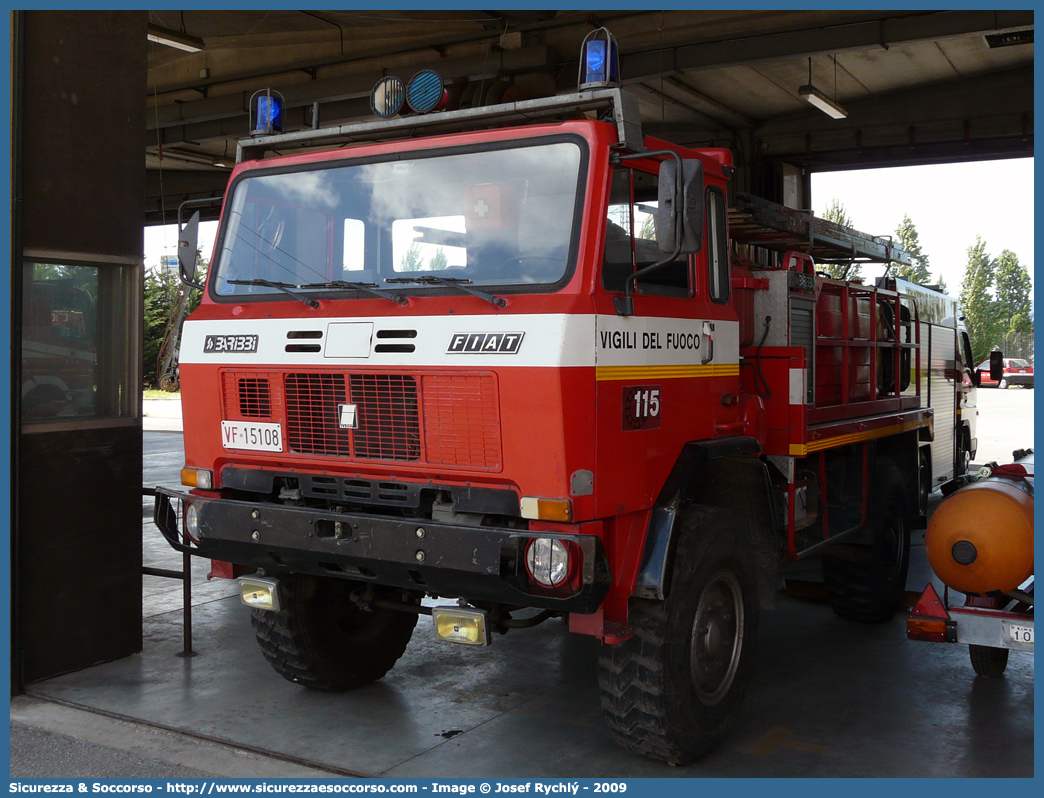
980,540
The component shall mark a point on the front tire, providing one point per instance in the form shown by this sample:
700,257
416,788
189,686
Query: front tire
672,690
1003,383
871,590
322,640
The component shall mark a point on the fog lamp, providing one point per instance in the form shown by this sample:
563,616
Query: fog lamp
547,560
426,91
259,592
387,96
468,626
599,61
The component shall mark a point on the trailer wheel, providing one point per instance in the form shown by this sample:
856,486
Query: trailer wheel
671,691
320,639
871,589
988,661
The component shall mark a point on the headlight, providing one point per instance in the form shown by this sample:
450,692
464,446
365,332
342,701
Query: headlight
547,560
192,522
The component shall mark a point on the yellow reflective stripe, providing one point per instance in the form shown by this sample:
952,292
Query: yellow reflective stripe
664,372
800,450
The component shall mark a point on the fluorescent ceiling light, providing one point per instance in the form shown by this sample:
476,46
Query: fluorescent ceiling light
173,38
822,102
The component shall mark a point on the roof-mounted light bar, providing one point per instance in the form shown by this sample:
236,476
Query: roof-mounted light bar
619,106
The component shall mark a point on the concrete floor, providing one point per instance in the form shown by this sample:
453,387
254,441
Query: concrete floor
829,698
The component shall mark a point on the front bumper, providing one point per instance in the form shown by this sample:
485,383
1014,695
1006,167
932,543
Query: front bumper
1019,379
479,563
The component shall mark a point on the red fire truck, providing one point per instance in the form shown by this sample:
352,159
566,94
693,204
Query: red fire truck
525,360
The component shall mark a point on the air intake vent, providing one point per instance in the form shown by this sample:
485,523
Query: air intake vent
255,398
388,420
312,416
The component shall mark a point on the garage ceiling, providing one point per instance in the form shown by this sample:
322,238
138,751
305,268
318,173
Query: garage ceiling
919,86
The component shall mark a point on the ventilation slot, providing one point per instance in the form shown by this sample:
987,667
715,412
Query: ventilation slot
304,334
388,420
394,348
311,414
357,489
396,333
392,492
325,486
303,348
255,398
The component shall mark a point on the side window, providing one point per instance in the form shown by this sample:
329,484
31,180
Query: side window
966,350
717,246
630,238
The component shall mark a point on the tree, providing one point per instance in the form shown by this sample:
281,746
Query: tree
438,261
1013,293
917,270
1014,311
837,214
411,261
977,303
161,293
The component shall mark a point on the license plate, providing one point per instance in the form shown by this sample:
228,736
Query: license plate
1020,634
251,435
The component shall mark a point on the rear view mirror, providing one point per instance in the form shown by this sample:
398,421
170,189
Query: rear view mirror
188,242
996,365
689,214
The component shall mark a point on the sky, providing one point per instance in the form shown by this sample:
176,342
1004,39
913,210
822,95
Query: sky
949,205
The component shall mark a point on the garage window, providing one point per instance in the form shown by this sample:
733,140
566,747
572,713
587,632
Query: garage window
76,326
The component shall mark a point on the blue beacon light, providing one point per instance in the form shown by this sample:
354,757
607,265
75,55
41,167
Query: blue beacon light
599,61
267,109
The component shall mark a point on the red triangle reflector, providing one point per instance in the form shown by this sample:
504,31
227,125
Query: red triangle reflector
930,605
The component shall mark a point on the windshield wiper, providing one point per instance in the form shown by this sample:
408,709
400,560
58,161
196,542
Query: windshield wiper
284,287
367,288
450,282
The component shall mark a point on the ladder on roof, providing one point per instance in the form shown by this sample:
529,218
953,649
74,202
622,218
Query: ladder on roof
758,222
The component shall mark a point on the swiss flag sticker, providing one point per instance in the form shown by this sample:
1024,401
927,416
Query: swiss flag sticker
483,206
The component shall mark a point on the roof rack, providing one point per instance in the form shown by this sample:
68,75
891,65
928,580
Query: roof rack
619,106
758,222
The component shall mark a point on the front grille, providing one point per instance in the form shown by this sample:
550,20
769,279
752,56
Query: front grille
441,419
389,428
461,420
312,414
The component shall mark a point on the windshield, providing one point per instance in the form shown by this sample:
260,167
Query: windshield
499,217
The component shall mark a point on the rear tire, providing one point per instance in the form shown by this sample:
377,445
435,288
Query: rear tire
988,661
964,456
871,591
672,690
320,639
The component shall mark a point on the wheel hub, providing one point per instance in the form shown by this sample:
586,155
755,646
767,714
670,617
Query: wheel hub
717,637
